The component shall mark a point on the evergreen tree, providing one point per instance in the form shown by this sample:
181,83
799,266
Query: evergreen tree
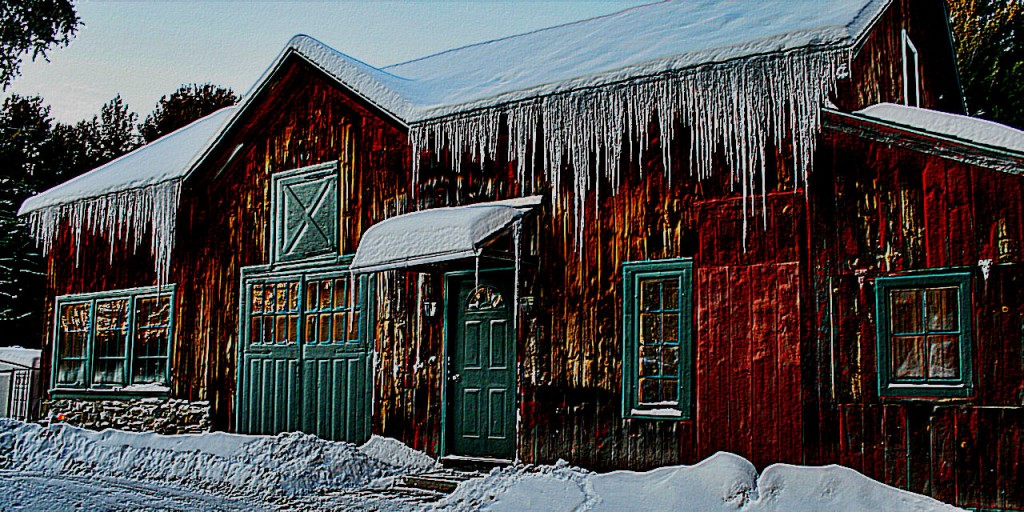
188,103
25,126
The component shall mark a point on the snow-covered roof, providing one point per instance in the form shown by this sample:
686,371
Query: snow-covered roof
435,235
637,42
707,63
18,357
164,159
959,127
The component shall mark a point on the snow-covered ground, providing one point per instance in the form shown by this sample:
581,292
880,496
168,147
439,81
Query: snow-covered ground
66,468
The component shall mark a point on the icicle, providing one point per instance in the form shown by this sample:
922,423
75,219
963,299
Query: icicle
476,272
744,106
517,230
125,216
420,283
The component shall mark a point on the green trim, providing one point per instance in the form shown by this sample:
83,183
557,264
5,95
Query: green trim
632,272
888,386
329,262
110,391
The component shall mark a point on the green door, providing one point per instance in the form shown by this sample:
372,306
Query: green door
481,392
304,356
269,377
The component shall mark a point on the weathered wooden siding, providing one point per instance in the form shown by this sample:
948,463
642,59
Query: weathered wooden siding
748,319
884,209
303,120
222,225
876,72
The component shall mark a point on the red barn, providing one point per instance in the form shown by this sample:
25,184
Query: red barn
629,241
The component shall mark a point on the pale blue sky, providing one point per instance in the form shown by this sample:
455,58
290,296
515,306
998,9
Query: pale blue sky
145,49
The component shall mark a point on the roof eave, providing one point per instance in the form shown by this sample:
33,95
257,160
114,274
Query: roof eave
994,157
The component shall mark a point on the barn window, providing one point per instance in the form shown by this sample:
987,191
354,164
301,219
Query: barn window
924,335
113,340
657,340
305,210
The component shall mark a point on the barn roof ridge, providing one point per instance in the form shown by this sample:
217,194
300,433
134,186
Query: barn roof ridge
637,42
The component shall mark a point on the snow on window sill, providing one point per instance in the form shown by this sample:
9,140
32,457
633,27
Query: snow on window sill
661,413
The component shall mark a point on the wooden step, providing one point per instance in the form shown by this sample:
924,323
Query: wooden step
437,481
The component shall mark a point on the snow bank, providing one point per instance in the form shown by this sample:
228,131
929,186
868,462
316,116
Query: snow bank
392,452
290,464
784,487
722,482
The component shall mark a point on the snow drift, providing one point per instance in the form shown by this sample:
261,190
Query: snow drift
300,471
285,465
722,482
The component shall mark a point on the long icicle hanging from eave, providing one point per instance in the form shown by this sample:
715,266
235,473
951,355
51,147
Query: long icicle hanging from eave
746,106
123,217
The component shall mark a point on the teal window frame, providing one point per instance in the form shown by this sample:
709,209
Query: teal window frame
89,356
633,273
925,387
281,184
303,275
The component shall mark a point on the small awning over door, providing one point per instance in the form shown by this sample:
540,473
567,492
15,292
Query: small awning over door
440,234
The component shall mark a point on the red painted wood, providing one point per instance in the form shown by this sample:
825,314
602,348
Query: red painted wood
735,367
764,369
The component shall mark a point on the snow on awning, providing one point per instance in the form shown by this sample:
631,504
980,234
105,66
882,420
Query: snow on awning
130,196
439,234
955,126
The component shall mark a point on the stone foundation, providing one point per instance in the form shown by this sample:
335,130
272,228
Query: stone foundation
160,415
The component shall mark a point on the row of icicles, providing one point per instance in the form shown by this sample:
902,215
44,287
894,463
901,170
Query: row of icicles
746,106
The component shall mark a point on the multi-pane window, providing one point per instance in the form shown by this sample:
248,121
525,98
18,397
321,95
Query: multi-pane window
308,308
274,314
924,341
152,339
113,340
657,309
329,315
